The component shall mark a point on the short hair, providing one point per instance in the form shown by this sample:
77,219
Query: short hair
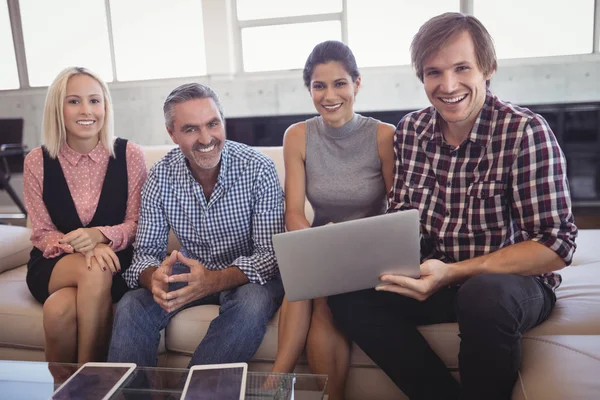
330,50
54,132
187,92
436,32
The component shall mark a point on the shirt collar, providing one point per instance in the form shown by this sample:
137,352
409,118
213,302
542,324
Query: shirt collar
97,154
482,128
222,178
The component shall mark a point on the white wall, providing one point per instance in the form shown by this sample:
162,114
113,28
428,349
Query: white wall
138,105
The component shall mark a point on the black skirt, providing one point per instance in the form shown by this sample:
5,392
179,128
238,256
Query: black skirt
39,270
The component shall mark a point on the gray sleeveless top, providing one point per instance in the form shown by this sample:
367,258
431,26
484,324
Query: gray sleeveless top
343,170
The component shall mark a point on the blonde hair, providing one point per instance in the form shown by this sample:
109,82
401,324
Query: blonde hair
54,133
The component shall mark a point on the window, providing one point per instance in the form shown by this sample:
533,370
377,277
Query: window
158,39
63,33
533,28
9,77
263,9
279,35
278,47
380,31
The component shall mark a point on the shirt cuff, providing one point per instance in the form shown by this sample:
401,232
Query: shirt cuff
247,266
57,249
111,234
564,248
133,273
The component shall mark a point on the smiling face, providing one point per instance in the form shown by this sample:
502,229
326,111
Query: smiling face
83,111
200,133
454,82
333,93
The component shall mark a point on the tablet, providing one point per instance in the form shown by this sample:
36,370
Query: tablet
216,382
94,381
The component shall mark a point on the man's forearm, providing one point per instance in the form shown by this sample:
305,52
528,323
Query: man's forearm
228,278
524,258
145,279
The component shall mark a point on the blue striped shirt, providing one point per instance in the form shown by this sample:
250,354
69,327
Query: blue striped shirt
235,226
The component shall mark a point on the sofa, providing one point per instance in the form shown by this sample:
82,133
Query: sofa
560,357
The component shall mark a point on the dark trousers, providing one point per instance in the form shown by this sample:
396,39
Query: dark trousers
492,311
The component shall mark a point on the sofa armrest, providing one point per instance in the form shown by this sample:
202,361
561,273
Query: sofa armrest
15,246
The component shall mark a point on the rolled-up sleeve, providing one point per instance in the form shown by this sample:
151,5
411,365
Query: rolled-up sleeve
542,202
267,220
150,246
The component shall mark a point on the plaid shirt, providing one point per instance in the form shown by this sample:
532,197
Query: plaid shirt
506,183
233,229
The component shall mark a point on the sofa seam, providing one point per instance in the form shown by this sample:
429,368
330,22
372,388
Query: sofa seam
563,346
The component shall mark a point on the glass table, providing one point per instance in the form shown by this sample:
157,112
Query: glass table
29,380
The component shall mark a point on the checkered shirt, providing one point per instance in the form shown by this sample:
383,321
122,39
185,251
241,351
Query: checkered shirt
233,229
506,183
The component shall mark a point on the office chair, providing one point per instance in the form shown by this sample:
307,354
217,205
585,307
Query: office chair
12,154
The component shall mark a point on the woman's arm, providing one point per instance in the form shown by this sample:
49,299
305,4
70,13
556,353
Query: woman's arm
294,155
44,235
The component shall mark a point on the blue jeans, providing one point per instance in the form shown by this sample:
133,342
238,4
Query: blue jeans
234,336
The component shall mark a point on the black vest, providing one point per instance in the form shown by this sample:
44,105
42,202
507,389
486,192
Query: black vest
112,204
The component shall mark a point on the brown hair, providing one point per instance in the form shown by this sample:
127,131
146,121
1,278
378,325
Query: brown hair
436,32
331,50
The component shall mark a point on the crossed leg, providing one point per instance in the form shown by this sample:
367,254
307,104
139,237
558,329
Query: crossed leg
78,313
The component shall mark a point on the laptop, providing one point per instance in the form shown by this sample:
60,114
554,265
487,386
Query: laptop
348,256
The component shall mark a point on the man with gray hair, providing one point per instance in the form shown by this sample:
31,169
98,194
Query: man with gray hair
224,202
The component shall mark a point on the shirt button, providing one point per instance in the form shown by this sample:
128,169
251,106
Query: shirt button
449,184
441,240
447,213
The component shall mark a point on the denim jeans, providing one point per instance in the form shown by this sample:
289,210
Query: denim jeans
233,336
492,311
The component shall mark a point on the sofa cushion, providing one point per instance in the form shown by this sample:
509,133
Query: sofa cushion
586,251
20,313
559,367
15,248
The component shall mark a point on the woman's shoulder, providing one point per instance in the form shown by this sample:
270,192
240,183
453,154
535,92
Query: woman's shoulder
297,129
385,130
294,138
135,150
34,157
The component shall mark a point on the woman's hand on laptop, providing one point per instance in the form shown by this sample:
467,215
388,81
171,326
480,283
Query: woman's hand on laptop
435,274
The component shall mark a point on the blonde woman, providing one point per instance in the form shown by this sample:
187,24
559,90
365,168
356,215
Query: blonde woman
82,192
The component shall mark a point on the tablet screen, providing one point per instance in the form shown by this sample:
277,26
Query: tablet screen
91,383
215,384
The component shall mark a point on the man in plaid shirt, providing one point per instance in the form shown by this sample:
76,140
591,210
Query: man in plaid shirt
490,183
224,202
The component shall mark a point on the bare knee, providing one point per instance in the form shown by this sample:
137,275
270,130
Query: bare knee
95,282
60,312
321,313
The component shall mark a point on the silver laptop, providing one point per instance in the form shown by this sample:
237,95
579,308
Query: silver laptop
348,256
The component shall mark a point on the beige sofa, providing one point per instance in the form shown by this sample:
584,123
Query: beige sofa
561,357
